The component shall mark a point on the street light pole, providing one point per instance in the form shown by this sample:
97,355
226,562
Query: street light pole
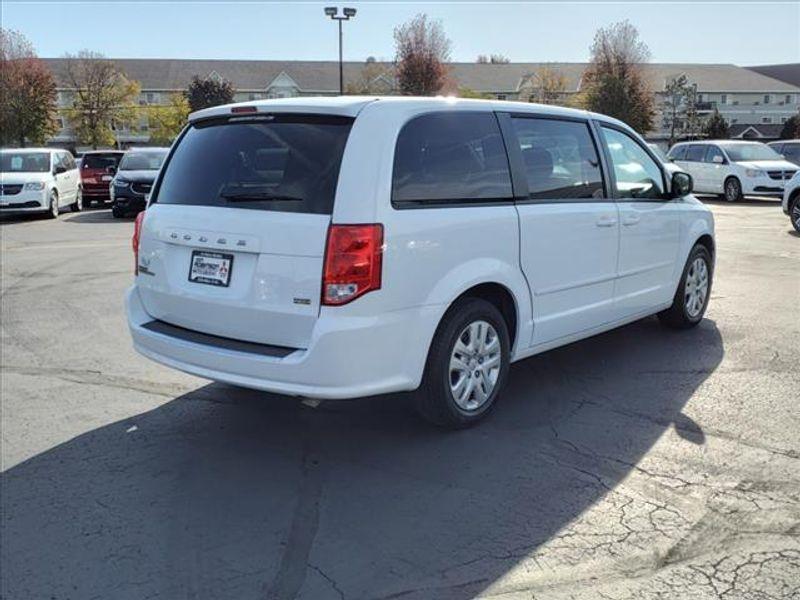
333,13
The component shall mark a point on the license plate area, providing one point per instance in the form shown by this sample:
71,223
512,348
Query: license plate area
211,268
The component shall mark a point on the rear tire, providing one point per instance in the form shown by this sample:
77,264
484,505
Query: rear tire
694,290
467,365
733,190
77,206
117,213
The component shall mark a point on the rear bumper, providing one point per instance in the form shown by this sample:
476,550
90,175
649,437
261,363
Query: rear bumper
348,357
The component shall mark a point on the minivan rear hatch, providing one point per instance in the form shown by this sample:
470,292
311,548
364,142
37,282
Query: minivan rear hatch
233,241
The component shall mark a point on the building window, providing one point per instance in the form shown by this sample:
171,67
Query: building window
783,119
151,97
733,121
253,96
767,98
788,99
723,98
501,96
699,97
766,119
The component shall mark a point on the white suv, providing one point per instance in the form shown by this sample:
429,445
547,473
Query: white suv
733,169
343,247
39,180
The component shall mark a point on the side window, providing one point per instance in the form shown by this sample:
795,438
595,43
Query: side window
68,161
451,157
678,153
791,152
695,153
637,174
560,158
714,153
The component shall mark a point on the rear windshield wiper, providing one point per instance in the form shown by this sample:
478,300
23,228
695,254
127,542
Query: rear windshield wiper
253,196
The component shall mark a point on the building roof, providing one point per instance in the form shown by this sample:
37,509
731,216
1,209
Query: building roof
755,131
323,76
788,73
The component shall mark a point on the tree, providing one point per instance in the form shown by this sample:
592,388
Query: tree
465,92
678,94
615,81
27,93
104,99
374,78
203,93
791,129
492,59
716,127
167,121
422,48
545,86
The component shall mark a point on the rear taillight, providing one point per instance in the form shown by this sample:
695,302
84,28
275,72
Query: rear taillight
137,233
353,262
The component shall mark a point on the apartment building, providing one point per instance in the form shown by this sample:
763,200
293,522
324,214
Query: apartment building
755,104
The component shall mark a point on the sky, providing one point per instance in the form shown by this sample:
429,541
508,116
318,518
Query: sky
743,33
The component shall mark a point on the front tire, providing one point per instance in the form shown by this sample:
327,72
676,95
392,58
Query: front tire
117,213
733,190
694,290
794,213
53,209
467,365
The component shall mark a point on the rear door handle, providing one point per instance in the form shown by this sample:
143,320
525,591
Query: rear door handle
632,220
606,221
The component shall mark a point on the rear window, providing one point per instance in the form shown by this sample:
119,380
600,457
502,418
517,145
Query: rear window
287,163
100,161
142,160
451,157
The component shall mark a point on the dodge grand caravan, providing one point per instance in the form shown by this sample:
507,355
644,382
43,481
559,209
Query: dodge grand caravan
344,247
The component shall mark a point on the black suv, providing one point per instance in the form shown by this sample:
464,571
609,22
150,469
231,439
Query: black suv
134,180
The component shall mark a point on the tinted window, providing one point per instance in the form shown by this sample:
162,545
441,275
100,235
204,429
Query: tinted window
712,152
141,160
637,174
678,153
451,156
560,158
750,151
695,153
287,163
792,152
99,161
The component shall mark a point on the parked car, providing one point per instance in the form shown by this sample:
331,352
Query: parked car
39,180
134,179
789,149
97,169
344,247
791,201
733,169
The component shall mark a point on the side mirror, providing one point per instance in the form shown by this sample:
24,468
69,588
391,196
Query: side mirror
717,159
59,169
682,184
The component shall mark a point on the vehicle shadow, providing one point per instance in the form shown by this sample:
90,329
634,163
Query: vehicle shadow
101,214
761,202
230,493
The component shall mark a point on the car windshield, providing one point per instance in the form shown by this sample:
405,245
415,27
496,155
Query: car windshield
99,161
24,162
750,151
142,161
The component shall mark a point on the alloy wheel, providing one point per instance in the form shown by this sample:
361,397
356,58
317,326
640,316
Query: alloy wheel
475,365
795,215
732,190
696,288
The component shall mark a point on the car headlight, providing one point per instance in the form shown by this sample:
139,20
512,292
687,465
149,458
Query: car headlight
121,183
34,185
755,173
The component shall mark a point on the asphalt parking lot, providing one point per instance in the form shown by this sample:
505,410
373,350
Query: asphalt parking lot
643,463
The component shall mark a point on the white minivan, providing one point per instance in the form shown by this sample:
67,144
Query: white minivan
733,169
345,247
39,180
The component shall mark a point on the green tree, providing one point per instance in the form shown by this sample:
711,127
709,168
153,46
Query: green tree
716,127
27,93
677,95
545,86
104,98
167,121
615,80
422,49
204,93
465,92
791,129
